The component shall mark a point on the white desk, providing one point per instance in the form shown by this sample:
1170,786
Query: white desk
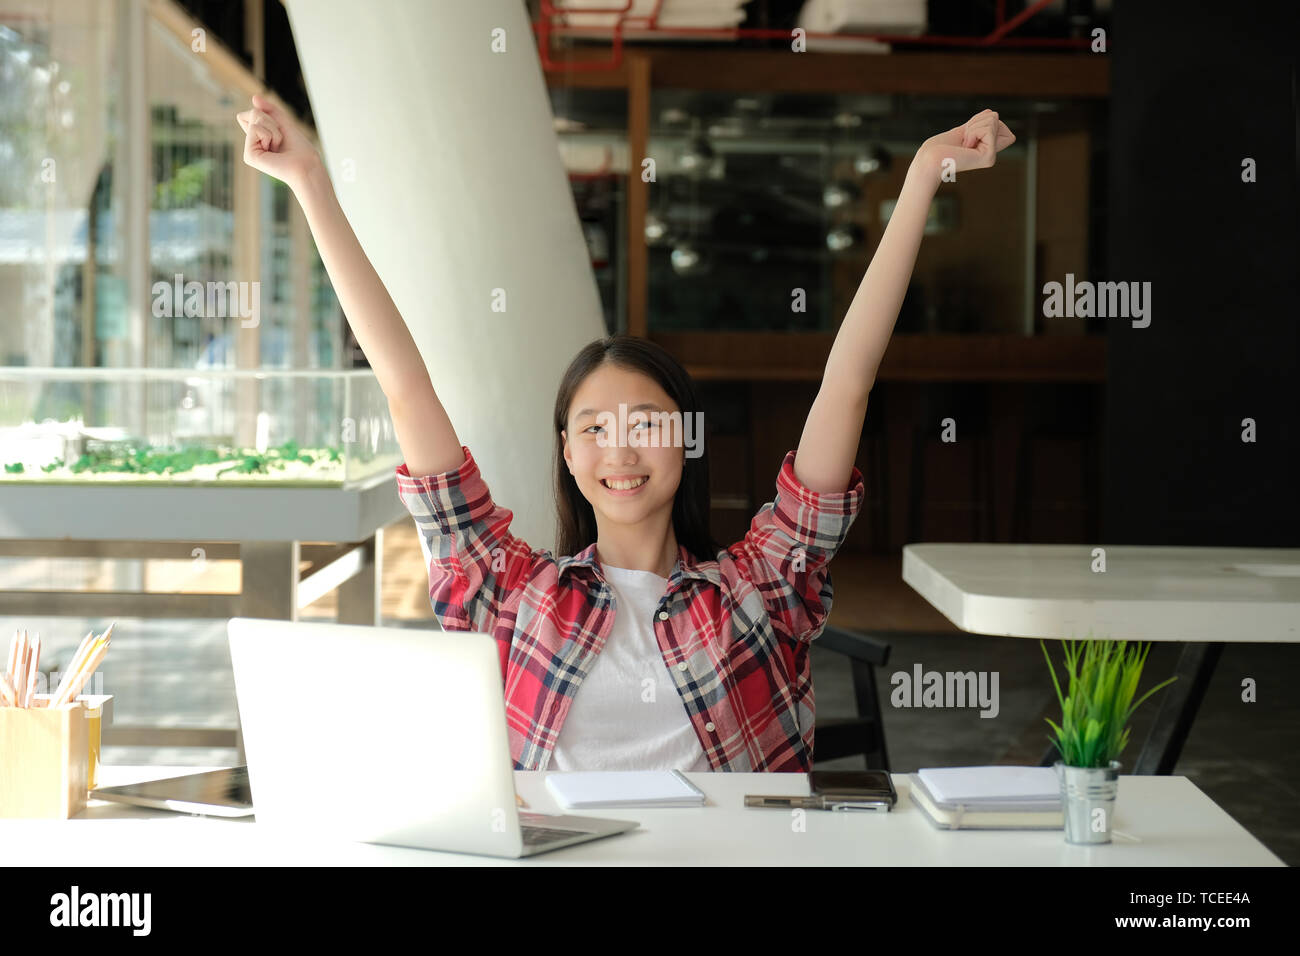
1176,824
1203,596
1145,593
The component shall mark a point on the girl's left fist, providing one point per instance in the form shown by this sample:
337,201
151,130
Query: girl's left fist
973,145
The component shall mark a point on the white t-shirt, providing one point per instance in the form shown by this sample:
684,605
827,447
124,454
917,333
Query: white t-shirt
611,724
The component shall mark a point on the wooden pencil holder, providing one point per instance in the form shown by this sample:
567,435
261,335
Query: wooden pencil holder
44,760
99,711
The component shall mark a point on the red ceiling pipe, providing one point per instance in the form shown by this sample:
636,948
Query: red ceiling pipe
649,23
1003,29
543,27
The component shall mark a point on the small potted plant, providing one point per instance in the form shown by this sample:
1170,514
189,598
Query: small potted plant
1104,676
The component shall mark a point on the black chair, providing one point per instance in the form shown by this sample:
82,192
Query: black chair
864,734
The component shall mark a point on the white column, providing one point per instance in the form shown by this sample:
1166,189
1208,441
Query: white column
445,159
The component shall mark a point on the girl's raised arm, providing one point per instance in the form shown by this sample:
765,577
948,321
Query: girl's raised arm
274,145
829,444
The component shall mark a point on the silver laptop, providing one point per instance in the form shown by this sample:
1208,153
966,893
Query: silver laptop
385,735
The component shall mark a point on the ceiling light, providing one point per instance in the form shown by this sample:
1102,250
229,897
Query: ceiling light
844,237
697,155
839,194
874,159
686,260
655,228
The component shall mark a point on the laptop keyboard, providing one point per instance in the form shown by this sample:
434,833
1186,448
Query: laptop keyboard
535,835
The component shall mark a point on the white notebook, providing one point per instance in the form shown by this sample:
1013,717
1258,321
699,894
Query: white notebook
975,785
598,789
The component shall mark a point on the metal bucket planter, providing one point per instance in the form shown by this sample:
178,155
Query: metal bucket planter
1088,801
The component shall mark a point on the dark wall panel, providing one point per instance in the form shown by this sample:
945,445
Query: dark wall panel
1198,86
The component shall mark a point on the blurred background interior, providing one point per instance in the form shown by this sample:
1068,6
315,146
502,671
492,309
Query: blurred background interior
772,172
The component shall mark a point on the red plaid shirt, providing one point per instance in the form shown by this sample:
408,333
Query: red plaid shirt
734,632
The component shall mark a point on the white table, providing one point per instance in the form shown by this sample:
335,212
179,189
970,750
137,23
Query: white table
272,531
1173,823
1204,597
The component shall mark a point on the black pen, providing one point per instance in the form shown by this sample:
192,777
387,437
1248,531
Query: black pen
814,802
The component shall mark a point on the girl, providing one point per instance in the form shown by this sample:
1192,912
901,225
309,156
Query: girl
643,644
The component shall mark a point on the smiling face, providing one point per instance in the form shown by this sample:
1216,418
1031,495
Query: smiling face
600,465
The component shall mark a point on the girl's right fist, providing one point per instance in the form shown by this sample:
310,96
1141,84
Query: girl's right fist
274,145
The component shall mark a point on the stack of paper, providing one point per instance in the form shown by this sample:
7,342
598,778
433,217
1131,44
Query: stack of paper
695,14
989,798
593,790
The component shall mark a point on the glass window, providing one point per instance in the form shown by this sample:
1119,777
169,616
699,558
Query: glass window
64,260
767,208
61,261
195,146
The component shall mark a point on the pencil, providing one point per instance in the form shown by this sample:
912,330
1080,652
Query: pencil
24,658
13,657
85,643
83,675
16,663
7,692
33,669
77,659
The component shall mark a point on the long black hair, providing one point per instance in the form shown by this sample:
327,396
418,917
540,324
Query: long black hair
576,521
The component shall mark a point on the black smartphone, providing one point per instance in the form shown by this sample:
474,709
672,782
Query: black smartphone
854,785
